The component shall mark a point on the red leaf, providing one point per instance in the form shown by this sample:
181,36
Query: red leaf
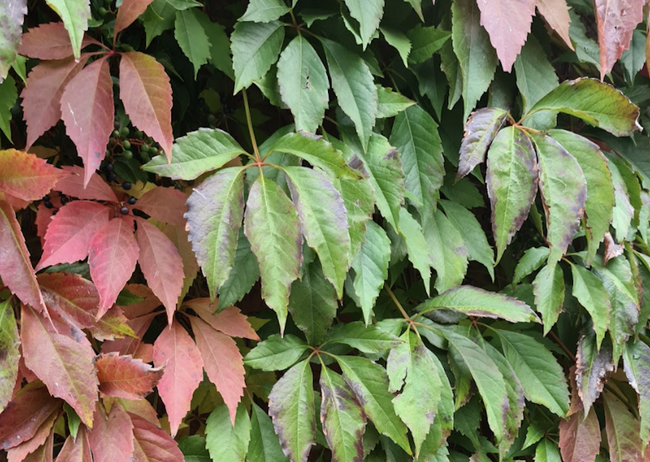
149,301
129,12
128,346
152,444
18,453
222,362
229,321
111,439
70,232
96,189
42,94
141,408
112,325
76,450
556,13
176,351
616,20
65,366
24,416
144,352
508,23
180,237
72,297
125,377
580,437
112,257
43,216
87,109
147,96
161,265
44,453
164,204
15,268
49,41
25,176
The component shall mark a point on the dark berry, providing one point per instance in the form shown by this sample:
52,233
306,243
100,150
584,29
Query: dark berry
126,185
110,167
127,154
64,199
131,200
54,212
116,125
111,176
46,197
48,204
124,132
126,144
116,134
124,210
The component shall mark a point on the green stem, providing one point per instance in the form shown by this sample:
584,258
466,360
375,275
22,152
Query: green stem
249,121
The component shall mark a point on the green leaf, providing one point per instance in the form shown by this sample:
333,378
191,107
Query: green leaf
367,339
214,214
359,202
12,15
243,275
564,193
480,129
313,303
447,251
74,421
273,229
623,212
255,48
276,353
370,383
8,98
9,341
538,371
342,416
159,17
191,37
530,262
636,361
303,84
622,429
75,15
314,150
416,246
391,103
587,50
600,190
219,45
634,57
592,295
228,440
196,153
265,10
473,301
548,287
368,13
546,450
535,78
478,247
593,367
473,361
354,87
511,184
476,56
193,449
597,103
415,136
398,40
425,42
264,445
291,405
370,266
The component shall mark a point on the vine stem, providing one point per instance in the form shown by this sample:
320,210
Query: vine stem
399,306
249,121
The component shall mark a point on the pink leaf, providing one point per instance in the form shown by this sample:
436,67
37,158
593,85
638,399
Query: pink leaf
70,232
617,20
125,377
18,453
230,321
23,416
76,450
25,176
42,94
507,30
43,453
222,362
147,96
65,366
176,351
87,109
556,13
141,408
580,437
111,439
149,301
72,297
73,185
152,444
112,325
43,217
49,41
161,265
164,204
129,12
15,268
128,346
112,257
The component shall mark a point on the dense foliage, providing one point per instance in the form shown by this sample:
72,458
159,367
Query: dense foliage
275,230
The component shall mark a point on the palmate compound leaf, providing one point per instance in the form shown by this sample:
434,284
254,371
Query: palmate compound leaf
65,365
255,48
87,110
111,438
343,420
49,42
291,405
75,15
480,129
26,176
597,103
125,377
273,229
12,13
636,361
323,221
473,301
616,22
564,193
9,342
511,183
